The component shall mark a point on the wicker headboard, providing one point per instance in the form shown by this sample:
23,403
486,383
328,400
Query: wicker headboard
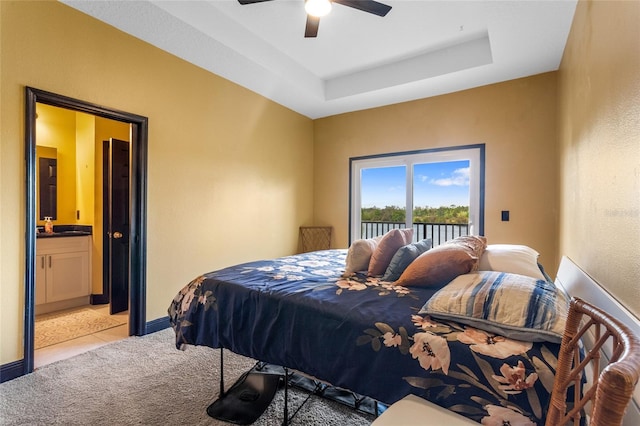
579,284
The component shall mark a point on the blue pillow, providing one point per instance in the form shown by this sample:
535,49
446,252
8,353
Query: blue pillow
403,258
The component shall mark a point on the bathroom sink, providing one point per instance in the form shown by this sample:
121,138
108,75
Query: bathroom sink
66,231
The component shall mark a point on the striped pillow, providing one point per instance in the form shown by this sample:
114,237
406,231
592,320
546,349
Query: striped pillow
511,305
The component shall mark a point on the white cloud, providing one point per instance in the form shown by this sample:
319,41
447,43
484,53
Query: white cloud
459,177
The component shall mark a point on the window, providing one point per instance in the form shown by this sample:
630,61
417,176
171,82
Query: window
444,189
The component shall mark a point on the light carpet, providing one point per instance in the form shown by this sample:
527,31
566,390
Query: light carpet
147,381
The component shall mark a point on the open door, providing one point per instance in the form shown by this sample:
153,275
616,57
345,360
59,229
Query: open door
117,215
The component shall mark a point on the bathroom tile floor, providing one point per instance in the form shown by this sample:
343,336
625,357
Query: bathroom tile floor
70,348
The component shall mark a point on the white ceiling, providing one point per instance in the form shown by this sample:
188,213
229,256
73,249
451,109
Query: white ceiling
422,48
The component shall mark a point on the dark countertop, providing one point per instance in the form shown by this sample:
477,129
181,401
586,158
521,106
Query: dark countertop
65,231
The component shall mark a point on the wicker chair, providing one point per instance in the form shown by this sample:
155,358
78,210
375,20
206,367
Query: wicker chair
314,238
608,391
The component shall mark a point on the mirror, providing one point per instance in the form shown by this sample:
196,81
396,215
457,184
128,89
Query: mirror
47,182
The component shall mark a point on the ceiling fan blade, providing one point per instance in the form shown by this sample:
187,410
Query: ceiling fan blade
311,29
251,1
370,6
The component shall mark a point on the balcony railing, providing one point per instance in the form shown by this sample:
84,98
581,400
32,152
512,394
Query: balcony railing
438,232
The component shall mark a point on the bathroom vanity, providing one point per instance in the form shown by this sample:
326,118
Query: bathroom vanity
63,271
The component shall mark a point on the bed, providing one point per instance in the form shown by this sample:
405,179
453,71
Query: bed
307,312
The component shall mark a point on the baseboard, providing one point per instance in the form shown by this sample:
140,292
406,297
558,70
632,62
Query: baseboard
76,302
11,371
99,299
157,325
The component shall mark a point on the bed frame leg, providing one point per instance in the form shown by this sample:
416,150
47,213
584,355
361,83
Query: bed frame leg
285,420
221,372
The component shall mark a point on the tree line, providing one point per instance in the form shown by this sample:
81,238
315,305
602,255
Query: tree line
444,214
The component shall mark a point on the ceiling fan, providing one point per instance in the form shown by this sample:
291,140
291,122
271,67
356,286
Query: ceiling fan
318,8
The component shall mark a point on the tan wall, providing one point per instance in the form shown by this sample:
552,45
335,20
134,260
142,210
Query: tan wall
228,173
56,128
85,168
516,120
599,137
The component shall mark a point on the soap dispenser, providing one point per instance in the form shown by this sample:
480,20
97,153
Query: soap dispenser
48,225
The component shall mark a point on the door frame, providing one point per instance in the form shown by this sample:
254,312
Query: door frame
138,195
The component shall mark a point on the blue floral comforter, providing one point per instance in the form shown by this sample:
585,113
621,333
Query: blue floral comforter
363,335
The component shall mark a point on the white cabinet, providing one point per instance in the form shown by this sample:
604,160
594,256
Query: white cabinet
41,279
63,270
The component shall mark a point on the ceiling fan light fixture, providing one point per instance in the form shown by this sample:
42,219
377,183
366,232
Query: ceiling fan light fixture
317,8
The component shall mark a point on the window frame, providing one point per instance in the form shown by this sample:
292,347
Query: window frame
475,154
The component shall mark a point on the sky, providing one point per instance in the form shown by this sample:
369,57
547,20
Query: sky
435,185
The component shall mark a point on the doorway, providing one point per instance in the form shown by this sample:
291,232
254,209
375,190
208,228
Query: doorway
136,251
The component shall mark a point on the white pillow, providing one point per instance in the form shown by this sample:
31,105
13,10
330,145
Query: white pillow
512,258
359,255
